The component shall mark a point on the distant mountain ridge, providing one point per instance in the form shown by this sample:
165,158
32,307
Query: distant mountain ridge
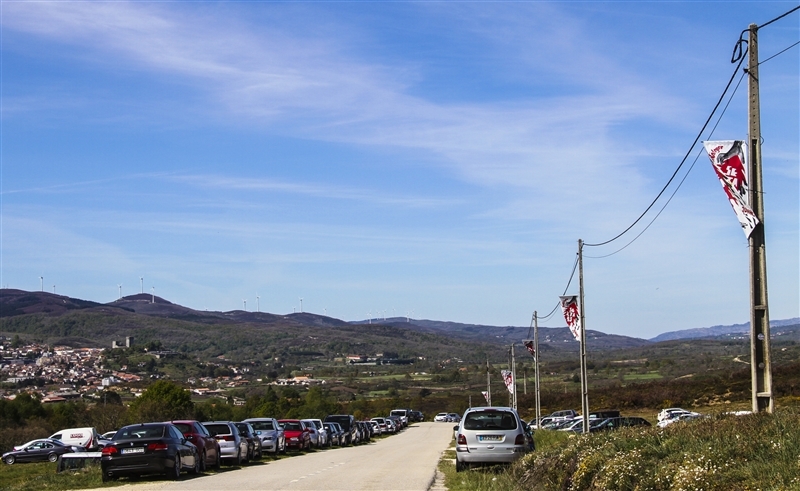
717,331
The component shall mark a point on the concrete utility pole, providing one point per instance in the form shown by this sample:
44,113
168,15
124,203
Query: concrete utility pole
760,363
584,380
536,367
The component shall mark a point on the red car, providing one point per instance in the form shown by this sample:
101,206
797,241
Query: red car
296,433
207,445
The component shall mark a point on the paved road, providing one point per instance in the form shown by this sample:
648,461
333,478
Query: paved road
401,462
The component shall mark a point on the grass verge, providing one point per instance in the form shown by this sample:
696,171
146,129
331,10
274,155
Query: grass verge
725,452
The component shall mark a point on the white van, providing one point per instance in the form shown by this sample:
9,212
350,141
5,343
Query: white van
79,437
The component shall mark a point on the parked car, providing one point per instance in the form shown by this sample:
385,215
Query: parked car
334,434
402,414
454,417
490,435
39,451
417,416
620,422
233,448
376,428
688,416
382,424
78,437
323,433
149,448
297,434
108,435
392,425
247,432
270,433
207,445
347,422
441,418
313,432
673,412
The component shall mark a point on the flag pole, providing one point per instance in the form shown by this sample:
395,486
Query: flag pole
584,381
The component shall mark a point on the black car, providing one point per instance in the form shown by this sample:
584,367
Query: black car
247,432
149,448
618,422
334,435
348,424
39,451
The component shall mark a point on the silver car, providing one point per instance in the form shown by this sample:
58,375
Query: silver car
232,447
270,433
490,435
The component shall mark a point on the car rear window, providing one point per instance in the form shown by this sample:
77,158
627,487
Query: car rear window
140,431
185,428
490,420
218,429
262,425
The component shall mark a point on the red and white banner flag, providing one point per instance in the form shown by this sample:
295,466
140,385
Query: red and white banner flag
728,159
569,306
529,345
508,378
485,396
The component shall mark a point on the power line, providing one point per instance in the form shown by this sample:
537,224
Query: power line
724,110
738,56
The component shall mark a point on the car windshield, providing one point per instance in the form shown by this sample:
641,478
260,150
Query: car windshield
292,426
490,420
262,425
140,431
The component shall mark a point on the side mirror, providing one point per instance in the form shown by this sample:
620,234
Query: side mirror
455,428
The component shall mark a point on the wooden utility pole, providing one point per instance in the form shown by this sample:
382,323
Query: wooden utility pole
584,380
760,363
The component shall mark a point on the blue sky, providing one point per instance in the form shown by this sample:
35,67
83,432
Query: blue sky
433,159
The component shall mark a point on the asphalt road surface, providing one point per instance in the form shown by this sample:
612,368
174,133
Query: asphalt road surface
400,462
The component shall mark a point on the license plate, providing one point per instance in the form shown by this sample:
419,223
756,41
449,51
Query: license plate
490,438
133,450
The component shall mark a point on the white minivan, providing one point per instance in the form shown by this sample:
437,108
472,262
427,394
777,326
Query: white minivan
78,437
490,435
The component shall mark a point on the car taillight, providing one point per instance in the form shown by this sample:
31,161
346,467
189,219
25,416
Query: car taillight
110,450
462,440
520,440
156,446
229,438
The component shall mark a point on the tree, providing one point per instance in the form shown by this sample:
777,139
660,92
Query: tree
162,401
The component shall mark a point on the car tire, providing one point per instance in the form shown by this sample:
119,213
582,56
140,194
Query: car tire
175,473
218,461
52,457
203,466
460,466
196,469
10,459
239,457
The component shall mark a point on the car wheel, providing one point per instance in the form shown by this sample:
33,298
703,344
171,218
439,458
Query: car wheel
239,457
203,466
197,460
175,473
218,461
10,459
460,466
52,457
